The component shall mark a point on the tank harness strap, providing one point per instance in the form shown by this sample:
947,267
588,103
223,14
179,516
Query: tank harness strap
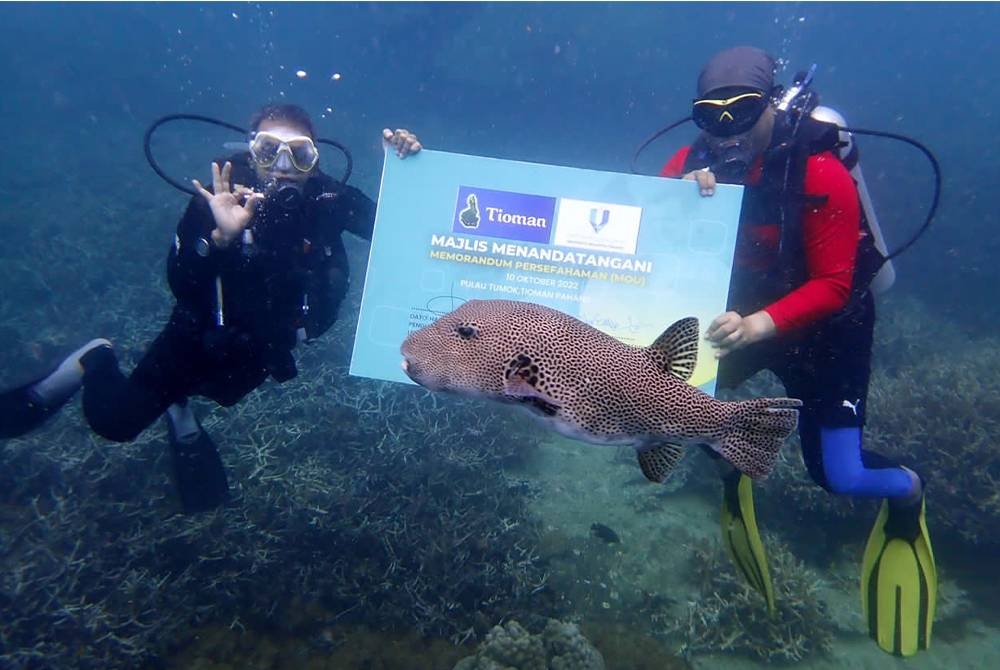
785,173
780,195
820,136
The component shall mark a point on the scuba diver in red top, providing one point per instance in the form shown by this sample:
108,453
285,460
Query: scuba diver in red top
801,305
257,266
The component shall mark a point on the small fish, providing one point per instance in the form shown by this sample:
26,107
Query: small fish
602,532
589,386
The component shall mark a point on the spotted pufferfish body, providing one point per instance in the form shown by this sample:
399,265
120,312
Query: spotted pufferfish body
592,387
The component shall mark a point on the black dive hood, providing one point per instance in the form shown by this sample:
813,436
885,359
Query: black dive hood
792,105
283,193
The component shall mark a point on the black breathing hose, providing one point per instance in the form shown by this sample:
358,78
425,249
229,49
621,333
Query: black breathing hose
147,139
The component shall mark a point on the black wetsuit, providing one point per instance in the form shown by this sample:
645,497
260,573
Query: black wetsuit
293,276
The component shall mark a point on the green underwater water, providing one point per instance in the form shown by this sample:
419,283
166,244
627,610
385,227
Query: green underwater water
101,572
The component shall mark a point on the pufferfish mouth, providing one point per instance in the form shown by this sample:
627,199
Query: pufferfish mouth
413,371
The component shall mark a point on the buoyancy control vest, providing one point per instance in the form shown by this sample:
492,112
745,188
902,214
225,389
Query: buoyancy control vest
779,198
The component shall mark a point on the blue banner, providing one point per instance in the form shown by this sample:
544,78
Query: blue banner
627,254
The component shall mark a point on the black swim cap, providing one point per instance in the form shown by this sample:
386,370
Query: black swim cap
739,66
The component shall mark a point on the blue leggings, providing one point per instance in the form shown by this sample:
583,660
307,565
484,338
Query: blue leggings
837,462
828,367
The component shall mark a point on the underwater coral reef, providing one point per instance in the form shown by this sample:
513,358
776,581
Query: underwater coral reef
560,646
728,616
370,507
380,503
934,405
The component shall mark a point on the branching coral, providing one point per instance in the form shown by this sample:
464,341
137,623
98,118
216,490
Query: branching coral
942,419
383,504
379,502
730,617
934,405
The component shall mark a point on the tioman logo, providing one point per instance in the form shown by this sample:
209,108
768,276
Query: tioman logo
504,214
469,217
499,216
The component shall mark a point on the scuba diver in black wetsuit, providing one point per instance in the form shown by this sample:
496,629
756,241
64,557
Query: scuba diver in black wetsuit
257,266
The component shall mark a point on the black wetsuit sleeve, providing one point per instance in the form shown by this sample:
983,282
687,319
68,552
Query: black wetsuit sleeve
355,212
350,210
190,274
327,288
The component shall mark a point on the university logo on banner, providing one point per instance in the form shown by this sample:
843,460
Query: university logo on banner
597,226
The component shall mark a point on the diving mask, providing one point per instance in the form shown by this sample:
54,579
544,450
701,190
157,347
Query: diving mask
725,117
267,148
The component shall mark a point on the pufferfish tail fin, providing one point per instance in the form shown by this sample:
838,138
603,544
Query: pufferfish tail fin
755,431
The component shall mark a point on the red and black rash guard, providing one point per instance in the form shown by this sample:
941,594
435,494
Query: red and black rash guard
830,233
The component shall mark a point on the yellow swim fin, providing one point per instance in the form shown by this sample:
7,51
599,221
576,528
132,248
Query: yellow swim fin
741,536
899,580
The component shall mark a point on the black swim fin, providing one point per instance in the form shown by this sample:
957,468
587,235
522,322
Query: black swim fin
742,537
21,412
27,407
198,472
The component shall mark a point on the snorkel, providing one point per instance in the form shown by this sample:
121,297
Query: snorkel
790,98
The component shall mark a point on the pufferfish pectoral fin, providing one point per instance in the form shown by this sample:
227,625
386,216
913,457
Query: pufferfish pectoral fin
657,462
518,385
525,378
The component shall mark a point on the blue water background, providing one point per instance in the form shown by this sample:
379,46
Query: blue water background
576,84
86,224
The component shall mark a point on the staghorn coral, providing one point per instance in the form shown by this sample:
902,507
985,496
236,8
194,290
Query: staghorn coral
560,646
730,617
933,405
942,418
380,503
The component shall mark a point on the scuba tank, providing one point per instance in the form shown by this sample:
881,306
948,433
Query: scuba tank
799,100
850,157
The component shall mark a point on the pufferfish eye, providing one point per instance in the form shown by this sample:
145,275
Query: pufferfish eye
466,331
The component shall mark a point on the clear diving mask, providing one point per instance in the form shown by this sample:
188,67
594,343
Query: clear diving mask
269,150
